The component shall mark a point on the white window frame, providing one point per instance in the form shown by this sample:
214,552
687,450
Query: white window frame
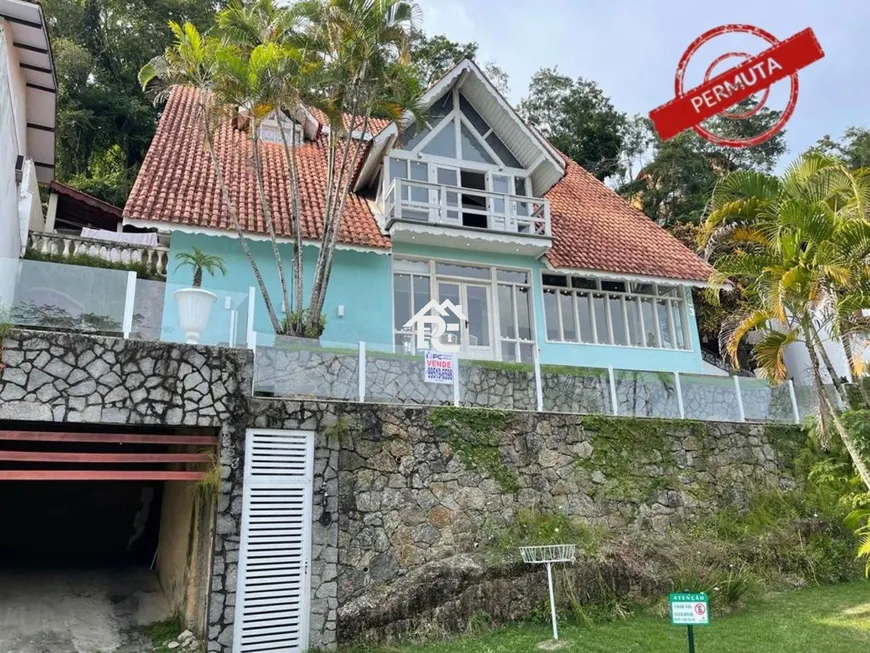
682,303
492,282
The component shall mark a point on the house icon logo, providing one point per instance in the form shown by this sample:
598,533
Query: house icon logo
429,322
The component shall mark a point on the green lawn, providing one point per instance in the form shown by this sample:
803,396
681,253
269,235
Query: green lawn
827,619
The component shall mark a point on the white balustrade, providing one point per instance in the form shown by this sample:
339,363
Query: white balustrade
154,259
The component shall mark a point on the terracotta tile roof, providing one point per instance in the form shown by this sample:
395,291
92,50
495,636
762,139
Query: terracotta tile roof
77,195
376,125
595,229
177,183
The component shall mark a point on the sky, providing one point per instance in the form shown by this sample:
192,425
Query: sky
631,49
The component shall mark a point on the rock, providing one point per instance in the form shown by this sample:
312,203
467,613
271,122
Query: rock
172,645
186,635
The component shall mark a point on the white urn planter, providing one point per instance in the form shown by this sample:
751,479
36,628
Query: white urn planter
194,307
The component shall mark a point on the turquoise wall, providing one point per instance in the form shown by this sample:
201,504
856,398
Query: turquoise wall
627,358
360,281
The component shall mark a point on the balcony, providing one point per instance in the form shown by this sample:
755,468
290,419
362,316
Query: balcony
422,213
153,258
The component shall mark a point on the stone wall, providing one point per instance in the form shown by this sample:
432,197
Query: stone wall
406,499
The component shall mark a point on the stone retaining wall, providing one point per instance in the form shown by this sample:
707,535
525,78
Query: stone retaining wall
401,494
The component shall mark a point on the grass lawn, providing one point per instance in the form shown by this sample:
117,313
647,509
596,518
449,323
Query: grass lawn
826,619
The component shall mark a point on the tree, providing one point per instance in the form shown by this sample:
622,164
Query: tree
435,55
578,119
104,121
200,262
675,183
798,247
347,58
853,148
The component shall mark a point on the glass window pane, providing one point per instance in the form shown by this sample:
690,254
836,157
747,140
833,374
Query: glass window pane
443,143
551,312
679,327
633,311
599,306
501,184
569,330
472,116
440,109
422,293
524,313
585,315
649,323
520,186
409,266
472,150
643,288
617,320
401,300
477,312
555,280
503,153
512,276
468,271
664,322
669,291
412,136
580,282
506,312
613,286
398,169
508,350
419,172
447,176
527,352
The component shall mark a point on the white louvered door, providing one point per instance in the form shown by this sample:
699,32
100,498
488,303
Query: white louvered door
273,579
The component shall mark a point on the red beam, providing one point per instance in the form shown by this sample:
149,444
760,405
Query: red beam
67,475
111,438
67,457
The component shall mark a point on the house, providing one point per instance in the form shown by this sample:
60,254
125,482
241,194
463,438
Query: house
27,121
474,207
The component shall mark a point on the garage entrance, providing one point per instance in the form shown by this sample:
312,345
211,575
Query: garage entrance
103,533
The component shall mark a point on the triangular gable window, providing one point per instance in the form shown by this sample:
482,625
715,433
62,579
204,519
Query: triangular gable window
443,143
472,150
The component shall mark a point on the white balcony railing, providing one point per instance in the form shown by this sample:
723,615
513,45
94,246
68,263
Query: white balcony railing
153,258
421,201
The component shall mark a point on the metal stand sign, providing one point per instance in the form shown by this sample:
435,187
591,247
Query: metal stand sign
547,555
689,610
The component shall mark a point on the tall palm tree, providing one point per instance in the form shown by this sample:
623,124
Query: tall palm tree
192,61
348,58
799,246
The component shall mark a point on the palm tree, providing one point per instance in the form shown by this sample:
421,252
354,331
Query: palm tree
799,247
200,262
192,61
348,58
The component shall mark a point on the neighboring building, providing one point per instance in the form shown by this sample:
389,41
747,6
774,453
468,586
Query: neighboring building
27,121
476,207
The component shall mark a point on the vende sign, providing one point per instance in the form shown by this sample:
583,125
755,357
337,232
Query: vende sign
439,368
690,108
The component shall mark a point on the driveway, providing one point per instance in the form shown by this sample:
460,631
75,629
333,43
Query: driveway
78,611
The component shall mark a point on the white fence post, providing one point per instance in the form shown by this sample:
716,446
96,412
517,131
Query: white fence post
252,336
361,366
455,380
612,382
129,303
679,386
740,408
539,388
794,404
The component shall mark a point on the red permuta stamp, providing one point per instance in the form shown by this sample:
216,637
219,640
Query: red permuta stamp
689,109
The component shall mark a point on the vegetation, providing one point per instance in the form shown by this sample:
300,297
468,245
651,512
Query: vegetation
475,435
813,620
164,631
796,247
347,58
200,262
